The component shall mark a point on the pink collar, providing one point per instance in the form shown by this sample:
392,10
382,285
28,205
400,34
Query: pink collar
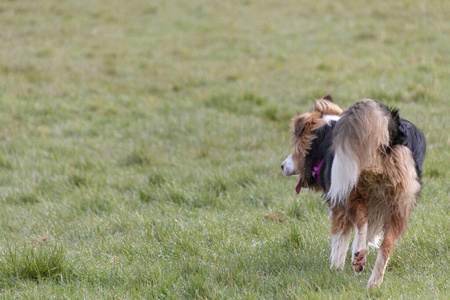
315,174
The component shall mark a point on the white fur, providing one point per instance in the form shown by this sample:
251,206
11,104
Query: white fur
339,247
288,166
375,242
378,271
344,176
329,118
360,241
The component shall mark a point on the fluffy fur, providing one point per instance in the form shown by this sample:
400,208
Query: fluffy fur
367,162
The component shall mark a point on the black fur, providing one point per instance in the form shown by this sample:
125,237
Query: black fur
403,132
395,136
414,139
320,150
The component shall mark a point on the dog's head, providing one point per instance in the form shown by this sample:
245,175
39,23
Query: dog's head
302,128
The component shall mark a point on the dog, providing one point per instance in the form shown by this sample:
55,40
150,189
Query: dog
367,161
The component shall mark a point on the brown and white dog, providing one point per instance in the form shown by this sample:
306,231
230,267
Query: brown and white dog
367,162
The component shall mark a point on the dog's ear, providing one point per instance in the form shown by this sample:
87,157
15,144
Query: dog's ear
328,97
299,124
326,106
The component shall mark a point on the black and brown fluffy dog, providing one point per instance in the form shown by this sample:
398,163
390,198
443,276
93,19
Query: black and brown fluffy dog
368,162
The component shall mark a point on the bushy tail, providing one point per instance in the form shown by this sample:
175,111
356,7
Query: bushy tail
361,133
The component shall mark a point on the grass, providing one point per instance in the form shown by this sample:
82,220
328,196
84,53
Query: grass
141,143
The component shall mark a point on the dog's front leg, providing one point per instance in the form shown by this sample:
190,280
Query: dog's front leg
359,247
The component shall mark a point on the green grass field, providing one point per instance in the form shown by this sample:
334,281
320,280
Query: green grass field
141,144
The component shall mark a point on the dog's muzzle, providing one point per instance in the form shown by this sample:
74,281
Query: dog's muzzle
289,169
288,166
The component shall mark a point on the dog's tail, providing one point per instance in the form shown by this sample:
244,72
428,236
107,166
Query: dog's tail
360,135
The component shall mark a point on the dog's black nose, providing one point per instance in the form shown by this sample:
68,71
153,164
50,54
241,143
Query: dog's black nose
282,167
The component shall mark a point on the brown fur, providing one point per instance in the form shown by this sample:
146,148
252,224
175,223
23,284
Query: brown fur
339,221
363,127
387,188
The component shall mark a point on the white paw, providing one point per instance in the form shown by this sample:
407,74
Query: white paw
374,282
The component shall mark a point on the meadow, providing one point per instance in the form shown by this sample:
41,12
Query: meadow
141,143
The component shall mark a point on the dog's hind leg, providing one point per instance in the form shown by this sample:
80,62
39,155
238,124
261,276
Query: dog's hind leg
393,229
359,247
341,230
403,175
382,259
